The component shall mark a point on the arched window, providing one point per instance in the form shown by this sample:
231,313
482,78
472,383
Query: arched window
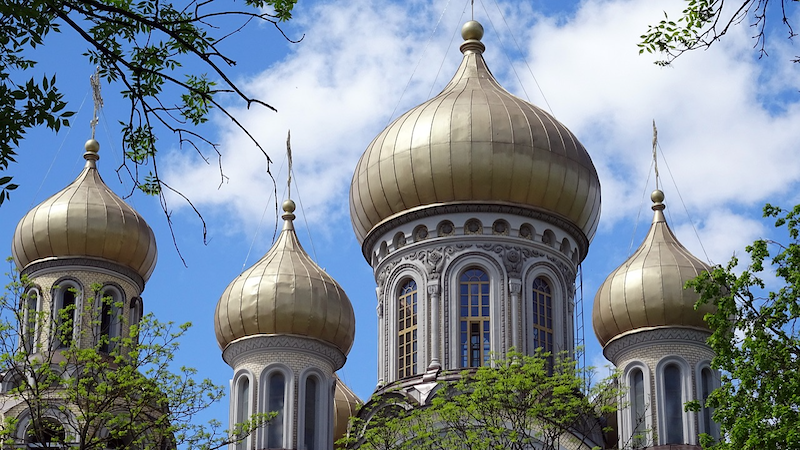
706,388
30,321
47,433
542,317
110,320
66,313
243,407
475,327
673,405
276,399
638,409
311,406
135,316
407,330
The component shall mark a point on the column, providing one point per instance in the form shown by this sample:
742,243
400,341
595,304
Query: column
433,291
514,289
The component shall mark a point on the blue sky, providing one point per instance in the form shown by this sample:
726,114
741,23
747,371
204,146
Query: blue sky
727,127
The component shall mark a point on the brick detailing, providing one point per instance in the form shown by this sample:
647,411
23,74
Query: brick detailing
264,344
626,342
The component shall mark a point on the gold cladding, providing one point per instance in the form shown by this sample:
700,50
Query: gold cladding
475,142
647,290
345,406
285,292
86,219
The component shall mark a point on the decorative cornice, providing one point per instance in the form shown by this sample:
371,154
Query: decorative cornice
642,337
243,347
444,209
53,264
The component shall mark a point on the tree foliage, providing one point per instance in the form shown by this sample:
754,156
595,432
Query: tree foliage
89,390
704,22
757,342
154,50
518,403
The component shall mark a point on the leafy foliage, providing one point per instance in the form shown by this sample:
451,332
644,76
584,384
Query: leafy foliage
84,388
146,47
518,403
704,22
757,343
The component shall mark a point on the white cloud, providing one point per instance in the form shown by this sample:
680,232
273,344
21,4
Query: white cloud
723,138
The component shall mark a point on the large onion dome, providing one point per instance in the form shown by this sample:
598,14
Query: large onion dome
345,406
647,290
86,220
475,143
285,292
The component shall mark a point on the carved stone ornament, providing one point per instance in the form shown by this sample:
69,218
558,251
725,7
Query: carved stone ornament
263,343
513,257
658,336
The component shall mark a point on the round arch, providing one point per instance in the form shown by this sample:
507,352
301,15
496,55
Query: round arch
498,320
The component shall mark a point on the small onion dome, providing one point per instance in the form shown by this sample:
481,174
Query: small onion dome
345,406
475,143
647,290
86,220
285,292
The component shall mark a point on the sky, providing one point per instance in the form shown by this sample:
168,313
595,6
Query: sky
727,127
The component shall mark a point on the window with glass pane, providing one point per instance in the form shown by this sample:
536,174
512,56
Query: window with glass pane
109,321
673,405
638,408
706,387
310,414
66,316
275,403
474,318
407,330
542,316
31,318
242,406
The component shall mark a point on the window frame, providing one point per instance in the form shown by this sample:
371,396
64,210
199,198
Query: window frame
467,323
59,289
626,414
715,383
116,314
687,394
31,338
288,403
388,343
563,338
235,412
451,328
324,404
415,326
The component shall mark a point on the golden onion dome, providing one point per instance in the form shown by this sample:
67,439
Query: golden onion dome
86,220
475,143
285,292
345,406
647,290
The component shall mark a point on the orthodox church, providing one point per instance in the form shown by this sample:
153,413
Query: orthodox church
475,210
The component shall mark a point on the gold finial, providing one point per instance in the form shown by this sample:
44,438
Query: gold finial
472,30
657,197
92,147
288,206
94,81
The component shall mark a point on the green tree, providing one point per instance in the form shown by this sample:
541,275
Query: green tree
756,337
156,51
94,390
704,22
518,403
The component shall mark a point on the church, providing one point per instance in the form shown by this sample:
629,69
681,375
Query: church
475,210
